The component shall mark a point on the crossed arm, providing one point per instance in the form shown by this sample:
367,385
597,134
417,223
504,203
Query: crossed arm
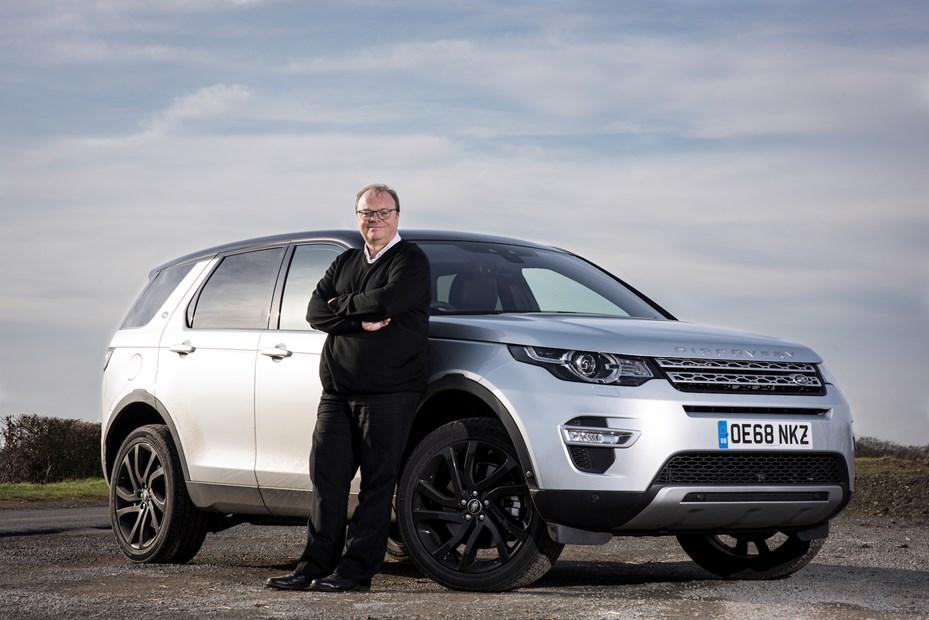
369,310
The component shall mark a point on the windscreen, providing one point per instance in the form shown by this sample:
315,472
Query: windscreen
470,277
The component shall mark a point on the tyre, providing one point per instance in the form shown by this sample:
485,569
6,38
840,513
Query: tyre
152,515
751,556
465,514
396,550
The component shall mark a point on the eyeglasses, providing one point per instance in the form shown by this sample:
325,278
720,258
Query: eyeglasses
381,214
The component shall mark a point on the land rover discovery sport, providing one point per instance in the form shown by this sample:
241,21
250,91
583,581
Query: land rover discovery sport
564,407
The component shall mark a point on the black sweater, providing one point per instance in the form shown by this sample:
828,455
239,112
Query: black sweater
395,286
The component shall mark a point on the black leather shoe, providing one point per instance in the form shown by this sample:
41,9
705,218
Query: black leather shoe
338,583
293,581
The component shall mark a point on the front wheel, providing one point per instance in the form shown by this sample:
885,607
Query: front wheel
770,555
152,515
465,513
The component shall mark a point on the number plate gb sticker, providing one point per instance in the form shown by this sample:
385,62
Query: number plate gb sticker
758,435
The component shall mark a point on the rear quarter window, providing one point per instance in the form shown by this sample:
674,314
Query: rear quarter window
156,292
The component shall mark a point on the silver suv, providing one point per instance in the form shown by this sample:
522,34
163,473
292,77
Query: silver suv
564,407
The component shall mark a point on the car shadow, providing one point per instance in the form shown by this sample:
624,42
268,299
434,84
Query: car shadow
575,573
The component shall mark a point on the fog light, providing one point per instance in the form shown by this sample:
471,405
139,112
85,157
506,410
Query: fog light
575,436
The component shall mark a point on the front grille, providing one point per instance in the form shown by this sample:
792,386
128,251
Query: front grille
728,410
714,468
747,376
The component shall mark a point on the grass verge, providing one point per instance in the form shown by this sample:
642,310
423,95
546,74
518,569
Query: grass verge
884,486
888,465
90,488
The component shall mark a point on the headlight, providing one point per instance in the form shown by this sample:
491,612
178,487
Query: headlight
586,366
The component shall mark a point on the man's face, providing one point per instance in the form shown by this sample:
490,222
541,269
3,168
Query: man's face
377,232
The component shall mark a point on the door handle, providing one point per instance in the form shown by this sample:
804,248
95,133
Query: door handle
279,352
183,349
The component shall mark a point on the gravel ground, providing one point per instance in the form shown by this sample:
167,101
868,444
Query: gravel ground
871,567
875,564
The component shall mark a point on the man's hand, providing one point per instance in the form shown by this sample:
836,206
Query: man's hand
373,326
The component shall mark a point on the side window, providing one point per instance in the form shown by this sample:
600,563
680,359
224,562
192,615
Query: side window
155,294
442,288
238,293
308,266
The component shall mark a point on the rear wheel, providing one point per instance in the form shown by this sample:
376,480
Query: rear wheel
396,550
769,555
465,513
152,515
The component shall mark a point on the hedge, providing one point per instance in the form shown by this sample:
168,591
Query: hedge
39,450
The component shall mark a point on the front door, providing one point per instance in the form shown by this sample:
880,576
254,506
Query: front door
287,386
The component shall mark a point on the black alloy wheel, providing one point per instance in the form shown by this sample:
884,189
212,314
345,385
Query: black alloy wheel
466,516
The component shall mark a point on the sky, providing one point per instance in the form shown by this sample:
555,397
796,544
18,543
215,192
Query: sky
757,165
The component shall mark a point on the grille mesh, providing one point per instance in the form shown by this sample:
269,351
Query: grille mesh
592,460
707,375
581,457
753,468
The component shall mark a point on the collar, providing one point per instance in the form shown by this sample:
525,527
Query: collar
391,244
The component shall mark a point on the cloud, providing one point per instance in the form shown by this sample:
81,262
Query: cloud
758,172
640,84
803,253
211,102
97,51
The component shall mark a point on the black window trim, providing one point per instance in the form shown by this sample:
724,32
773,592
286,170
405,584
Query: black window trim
277,298
219,258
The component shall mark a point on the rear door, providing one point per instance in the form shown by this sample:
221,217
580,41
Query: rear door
206,371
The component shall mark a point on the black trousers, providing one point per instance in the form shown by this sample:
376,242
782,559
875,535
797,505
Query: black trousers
354,432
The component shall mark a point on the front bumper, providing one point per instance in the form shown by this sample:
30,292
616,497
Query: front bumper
680,510
626,493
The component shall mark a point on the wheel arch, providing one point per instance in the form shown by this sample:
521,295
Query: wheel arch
454,397
137,409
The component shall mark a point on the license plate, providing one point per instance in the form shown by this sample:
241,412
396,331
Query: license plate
759,435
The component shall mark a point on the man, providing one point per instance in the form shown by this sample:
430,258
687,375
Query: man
374,304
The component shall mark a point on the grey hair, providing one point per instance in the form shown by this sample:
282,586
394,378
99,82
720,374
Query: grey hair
378,188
